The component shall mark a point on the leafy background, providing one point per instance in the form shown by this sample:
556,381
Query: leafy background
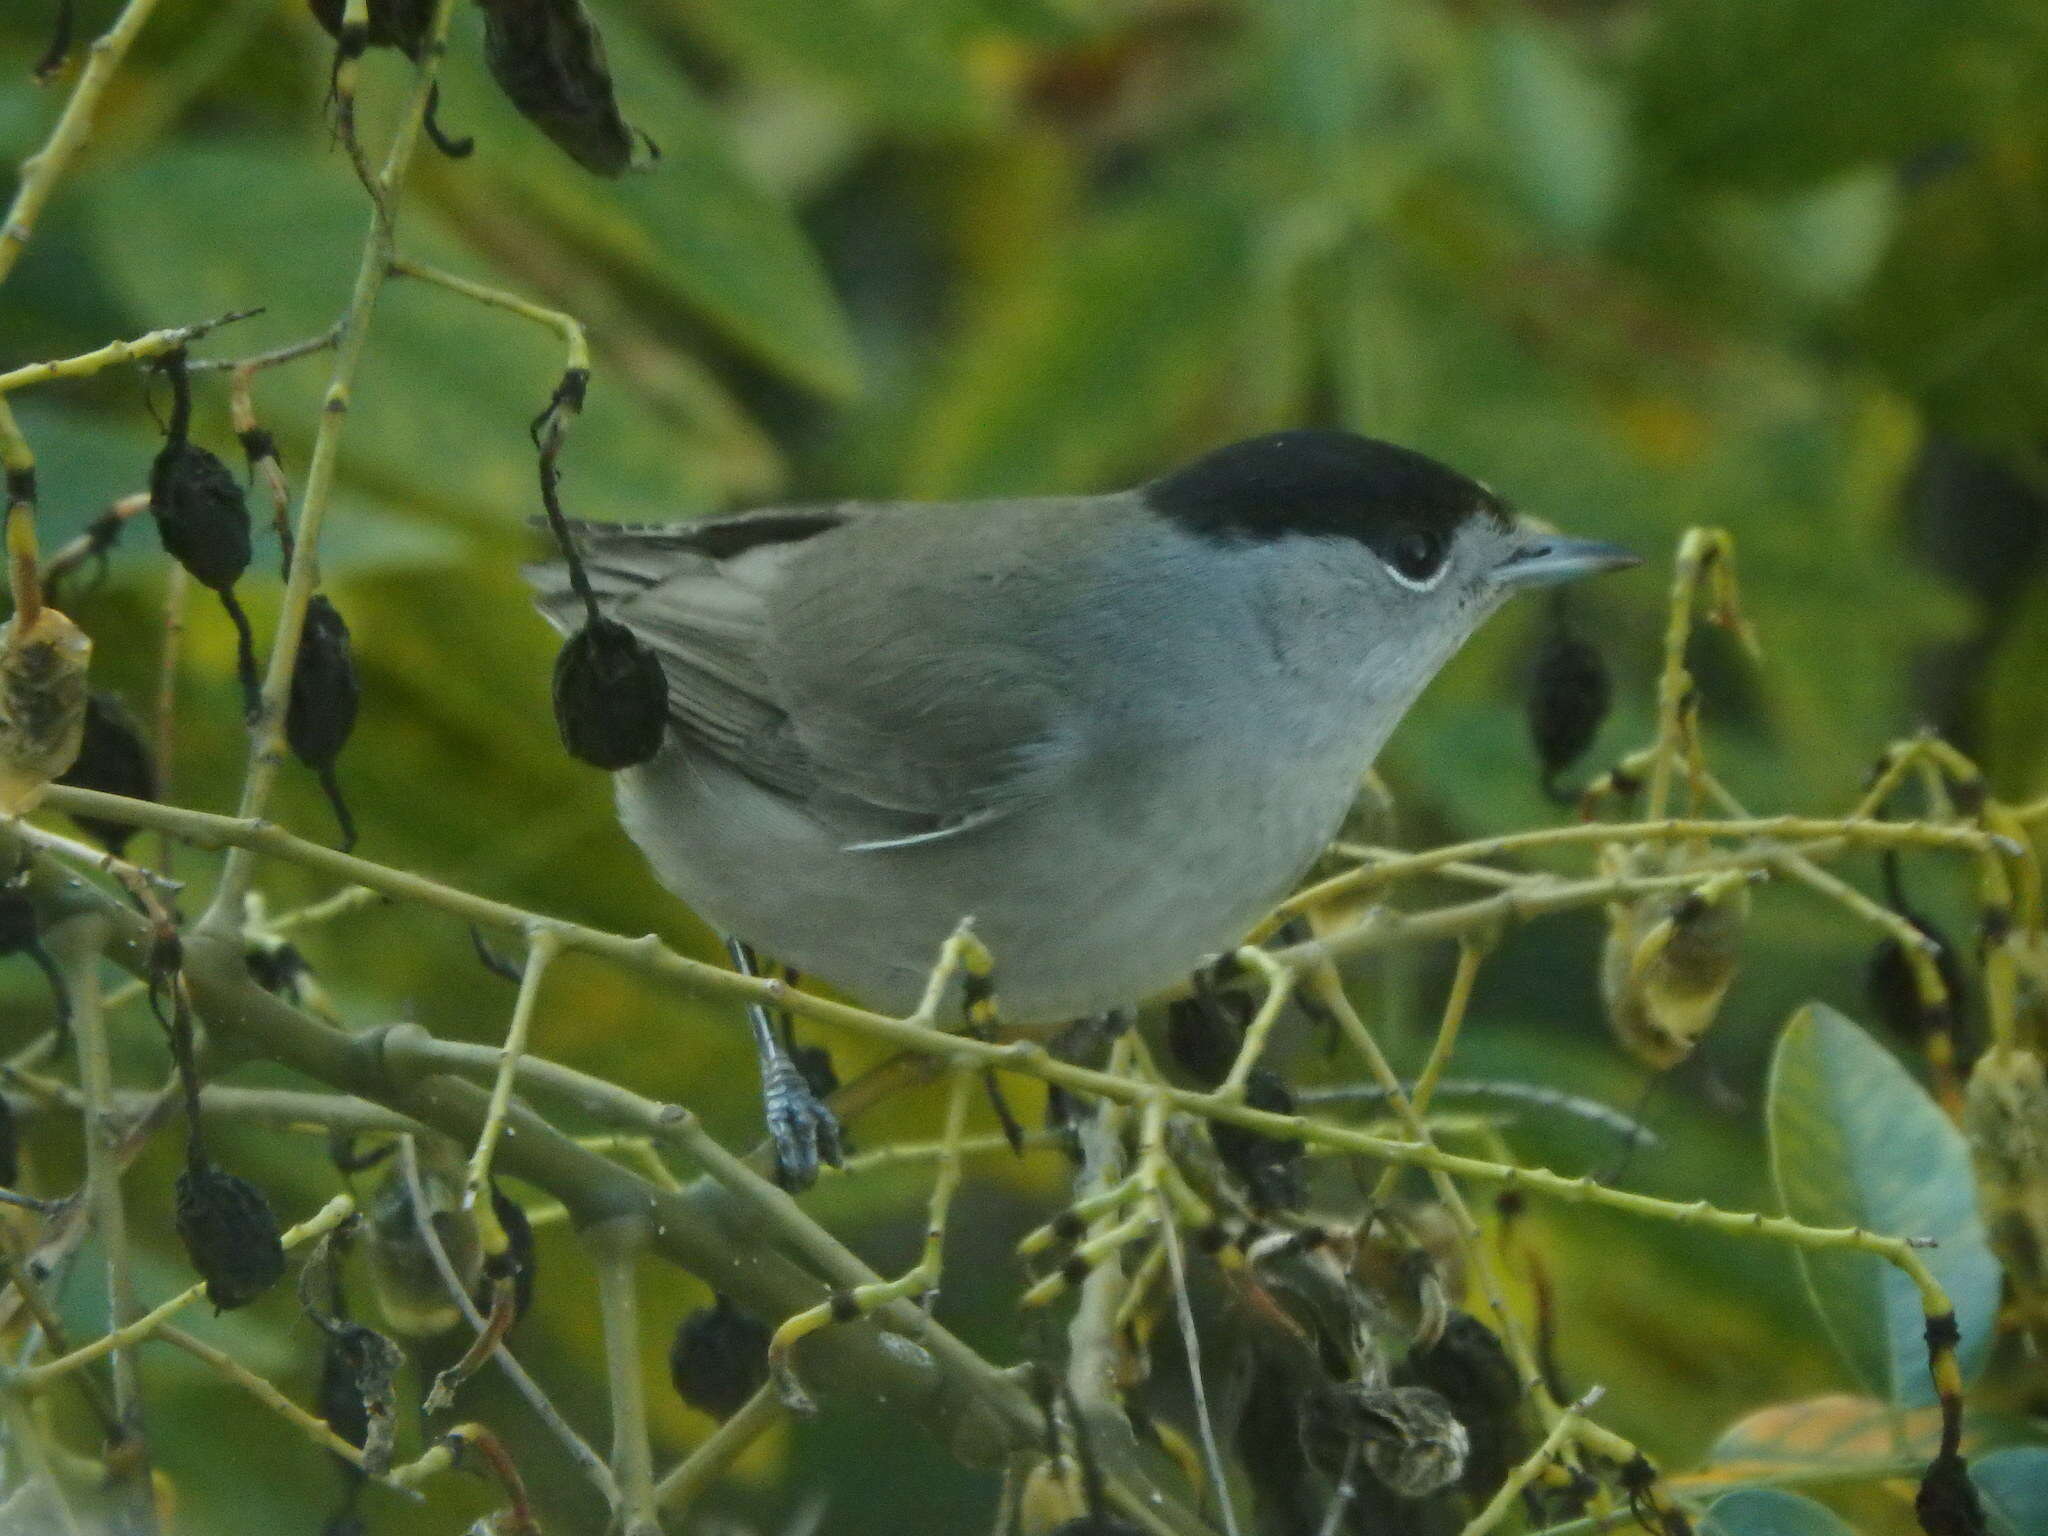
1762,264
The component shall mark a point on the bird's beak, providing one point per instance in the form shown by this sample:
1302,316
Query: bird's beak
1544,560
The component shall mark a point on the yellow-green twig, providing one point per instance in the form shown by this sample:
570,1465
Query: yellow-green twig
476,1193
141,349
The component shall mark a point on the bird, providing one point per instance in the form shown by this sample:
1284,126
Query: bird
1110,730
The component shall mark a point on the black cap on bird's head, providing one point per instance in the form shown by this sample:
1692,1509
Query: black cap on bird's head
1311,481
1403,505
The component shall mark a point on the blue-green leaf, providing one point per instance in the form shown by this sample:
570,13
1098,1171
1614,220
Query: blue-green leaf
1856,1142
1769,1512
2014,1486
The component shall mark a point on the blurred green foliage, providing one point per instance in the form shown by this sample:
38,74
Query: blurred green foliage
1774,265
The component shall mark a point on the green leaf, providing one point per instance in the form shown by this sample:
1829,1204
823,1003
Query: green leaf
1769,1512
903,64
2014,1486
1773,93
438,417
1561,131
1084,365
1856,1142
692,223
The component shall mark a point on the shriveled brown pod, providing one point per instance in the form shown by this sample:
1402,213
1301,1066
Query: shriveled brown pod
548,59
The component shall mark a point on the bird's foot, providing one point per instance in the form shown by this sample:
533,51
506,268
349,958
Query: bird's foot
802,1128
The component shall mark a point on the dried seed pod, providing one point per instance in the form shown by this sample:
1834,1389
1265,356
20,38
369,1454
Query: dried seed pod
1469,1367
518,1259
1570,693
339,1399
358,1387
2005,1117
1408,1435
719,1358
1270,1168
611,697
548,59
1412,1440
229,1232
113,759
414,1299
42,704
203,519
1669,961
325,696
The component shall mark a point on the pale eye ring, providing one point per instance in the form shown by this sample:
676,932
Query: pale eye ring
1415,558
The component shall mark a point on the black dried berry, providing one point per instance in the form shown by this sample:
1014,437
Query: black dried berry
719,1358
1947,1502
229,1233
611,698
548,59
202,518
325,695
10,1145
1271,1169
1569,695
278,968
1205,1032
113,759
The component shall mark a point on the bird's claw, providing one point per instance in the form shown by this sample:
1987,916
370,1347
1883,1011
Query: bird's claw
800,1125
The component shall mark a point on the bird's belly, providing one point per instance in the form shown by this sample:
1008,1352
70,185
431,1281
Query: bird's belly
1112,890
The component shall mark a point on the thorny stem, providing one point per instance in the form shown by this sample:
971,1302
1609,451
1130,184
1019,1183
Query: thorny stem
266,754
41,172
155,344
1520,1476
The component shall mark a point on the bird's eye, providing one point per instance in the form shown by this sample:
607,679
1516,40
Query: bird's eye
1416,556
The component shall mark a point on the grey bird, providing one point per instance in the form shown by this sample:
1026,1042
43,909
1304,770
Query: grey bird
1111,730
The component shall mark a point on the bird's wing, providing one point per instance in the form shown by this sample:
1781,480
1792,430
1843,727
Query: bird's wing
839,696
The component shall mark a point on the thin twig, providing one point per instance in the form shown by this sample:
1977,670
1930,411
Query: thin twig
578,1448
41,172
79,943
